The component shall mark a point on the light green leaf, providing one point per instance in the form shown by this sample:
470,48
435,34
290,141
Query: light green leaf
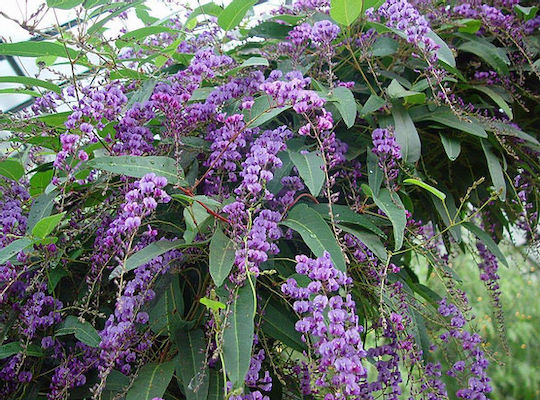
448,213
375,4
205,9
452,146
152,381
212,304
487,240
145,255
222,255
526,12
444,53
41,208
191,363
262,111
46,225
250,62
64,4
36,49
233,14
11,169
391,205
309,167
25,80
238,335
139,166
406,134
83,331
424,185
495,169
346,104
372,242
497,98
469,25
40,180
138,34
316,233
345,12
396,91
13,248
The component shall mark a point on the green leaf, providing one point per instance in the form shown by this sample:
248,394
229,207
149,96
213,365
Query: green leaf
445,116
11,169
396,91
238,335
191,363
346,104
271,30
373,104
13,248
344,214
250,62
444,53
127,39
139,166
452,146
406,134
36,49
25,80
143,94
491,54
120,8
83,331
41,208
424,185
64,4
222,255
166,314
487,240
448,212
375,4
262,111
39,181
496,97
495,169
375,173
391,205
469,25
205,9
20,91
215,388
212,304
345,12
233,14
145,255
309,167
152,381
46,225
316,233
279,324
384,46
526,12
9,349
371,241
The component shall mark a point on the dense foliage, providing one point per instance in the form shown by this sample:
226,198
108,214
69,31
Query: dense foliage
222,205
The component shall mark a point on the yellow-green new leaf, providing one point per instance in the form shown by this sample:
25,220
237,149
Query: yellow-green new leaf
345,12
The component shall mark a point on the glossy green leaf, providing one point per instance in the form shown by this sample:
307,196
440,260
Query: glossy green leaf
344,214
526,12
64,4
424,185
372,242
491,54
495,169
39,181
445,116
192,363
487,240
469,25
25,80
262,111
151,381
396,91
10,349
222,255
145,255
46,225
345,12
13,249
346,104
270,30
406,134
279,324
139,166
36,49
250,62
497,98
212,304
391,205
444,53
11,169
309,167
41,208
82,330
316,233
373,103
375,4
238,335
452,146
233,14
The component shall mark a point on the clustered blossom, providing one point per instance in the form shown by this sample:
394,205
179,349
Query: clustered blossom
12,218
254,380
386,148
338,349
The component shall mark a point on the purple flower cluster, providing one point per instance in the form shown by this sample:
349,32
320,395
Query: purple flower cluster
330,323
386,148
12,218
39,312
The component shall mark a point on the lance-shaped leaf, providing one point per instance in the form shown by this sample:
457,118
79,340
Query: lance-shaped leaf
495,169
391,205
429,188
152,381
139,166
452,146
46,225
487,240
13,248
346,105
191,363
222,254
64,4
445,116
11,169
309,167
262,111
215,387
25,80
345,12
233,14
250,62
36,49
279,324
406,134
166,314
238,335
345,215
40,209
145,255
316,233
9,349
372,242
375,173
82,330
